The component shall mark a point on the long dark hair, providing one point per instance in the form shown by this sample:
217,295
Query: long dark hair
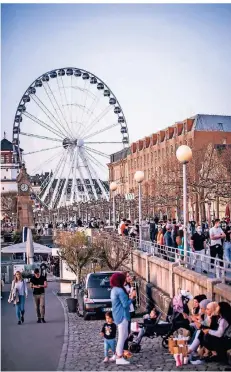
225,311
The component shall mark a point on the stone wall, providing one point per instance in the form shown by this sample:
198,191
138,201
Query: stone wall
161,280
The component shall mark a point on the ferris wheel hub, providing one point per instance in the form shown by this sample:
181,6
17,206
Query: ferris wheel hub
69,142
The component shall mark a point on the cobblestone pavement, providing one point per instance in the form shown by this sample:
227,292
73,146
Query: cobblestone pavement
83,350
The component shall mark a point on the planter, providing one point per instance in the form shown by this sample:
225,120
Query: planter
72,305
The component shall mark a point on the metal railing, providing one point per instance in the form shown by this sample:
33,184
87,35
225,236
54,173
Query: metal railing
201,263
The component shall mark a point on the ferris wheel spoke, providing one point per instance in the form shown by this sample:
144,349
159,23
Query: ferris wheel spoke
65,185
49,114
74,189
64,111
46,162
100,183
85,163
43,197
57,186
85,101
93,107
59,109
71,134
96,161
97,119
101,131
41,137
47,149
99,143
83,184
42,124
97,152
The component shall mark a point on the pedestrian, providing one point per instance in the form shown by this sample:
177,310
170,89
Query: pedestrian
216,234
109,333
132,294
38,283
227,244
198,246
121,315
17,295
153,230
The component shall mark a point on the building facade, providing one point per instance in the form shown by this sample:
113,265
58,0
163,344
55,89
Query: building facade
151,153
9,167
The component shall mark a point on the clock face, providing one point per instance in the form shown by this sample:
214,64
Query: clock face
24,187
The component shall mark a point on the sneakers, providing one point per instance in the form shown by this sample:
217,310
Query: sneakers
43,320
113,358
19,322
106,360
39,321
122,361
22,317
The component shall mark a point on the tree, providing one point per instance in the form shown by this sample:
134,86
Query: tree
76,250
9,203
112,250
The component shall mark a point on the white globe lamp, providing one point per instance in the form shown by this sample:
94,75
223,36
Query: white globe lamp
139,176
184,154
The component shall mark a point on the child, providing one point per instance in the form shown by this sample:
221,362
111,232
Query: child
109,333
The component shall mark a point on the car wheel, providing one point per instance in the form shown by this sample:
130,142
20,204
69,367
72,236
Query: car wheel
85,316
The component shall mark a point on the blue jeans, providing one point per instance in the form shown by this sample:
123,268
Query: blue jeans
20,307
227,251
109,344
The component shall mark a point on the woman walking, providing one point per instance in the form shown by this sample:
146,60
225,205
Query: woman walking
121,315
131,294
17,295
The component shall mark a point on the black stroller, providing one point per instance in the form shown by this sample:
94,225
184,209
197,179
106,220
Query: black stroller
174,321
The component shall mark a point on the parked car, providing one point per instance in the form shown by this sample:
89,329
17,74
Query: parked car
94,295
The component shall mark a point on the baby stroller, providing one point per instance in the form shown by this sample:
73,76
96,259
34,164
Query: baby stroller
159,328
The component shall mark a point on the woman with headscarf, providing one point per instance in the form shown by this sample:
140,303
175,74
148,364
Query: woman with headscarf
121,315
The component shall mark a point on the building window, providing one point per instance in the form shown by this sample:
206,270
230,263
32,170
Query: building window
2,159
131,164
148,158
144,159
151,156
155,155
162,153
158,154
135,163
4,177
171,150
2,188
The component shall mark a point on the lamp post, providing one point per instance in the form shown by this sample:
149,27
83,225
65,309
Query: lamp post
139,177
184,155
113,188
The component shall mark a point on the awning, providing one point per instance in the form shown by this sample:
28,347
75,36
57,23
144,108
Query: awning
21,248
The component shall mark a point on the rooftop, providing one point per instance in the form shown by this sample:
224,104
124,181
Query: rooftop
6,145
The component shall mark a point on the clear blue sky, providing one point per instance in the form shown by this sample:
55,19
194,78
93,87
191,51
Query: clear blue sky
163,62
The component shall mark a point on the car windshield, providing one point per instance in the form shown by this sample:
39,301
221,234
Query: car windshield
99,280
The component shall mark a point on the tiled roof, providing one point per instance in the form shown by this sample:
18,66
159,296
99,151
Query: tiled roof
6,145
215,123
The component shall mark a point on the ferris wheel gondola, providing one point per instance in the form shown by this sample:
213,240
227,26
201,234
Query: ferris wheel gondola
68,122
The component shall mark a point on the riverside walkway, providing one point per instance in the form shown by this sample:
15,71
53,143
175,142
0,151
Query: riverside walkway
32,346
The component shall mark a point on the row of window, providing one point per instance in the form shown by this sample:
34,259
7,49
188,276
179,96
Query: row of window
8,159
163,153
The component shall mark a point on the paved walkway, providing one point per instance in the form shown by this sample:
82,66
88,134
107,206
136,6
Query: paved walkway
32,346
83,351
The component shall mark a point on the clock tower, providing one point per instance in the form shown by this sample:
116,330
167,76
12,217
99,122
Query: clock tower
25,211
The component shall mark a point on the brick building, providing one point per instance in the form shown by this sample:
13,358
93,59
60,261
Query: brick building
151,153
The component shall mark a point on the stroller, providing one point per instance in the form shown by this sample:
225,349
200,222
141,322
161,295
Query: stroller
159,328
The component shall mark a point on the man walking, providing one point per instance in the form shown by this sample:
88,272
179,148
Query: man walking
216,235
38,283
198,246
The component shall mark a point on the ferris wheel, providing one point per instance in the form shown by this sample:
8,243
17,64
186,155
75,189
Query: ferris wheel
66,125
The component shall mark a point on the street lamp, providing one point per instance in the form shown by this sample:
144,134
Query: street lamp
113,188
139,177
184,155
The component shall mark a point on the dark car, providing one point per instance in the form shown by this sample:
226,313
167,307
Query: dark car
94,295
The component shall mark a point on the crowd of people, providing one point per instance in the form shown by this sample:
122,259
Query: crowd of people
200,237
208,323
